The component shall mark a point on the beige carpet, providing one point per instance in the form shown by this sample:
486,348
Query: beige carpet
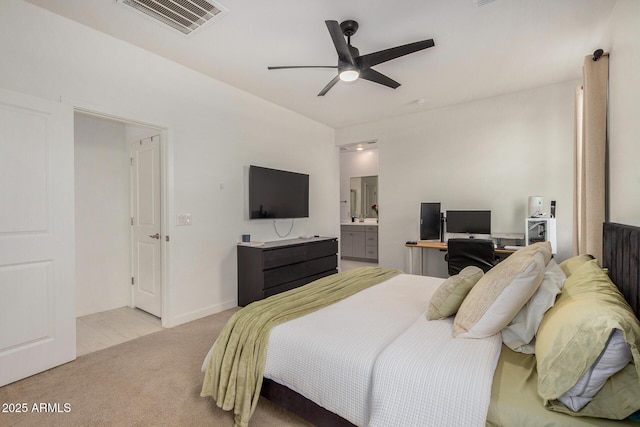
154,380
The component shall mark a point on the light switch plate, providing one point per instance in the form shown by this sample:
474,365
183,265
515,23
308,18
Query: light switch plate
183,219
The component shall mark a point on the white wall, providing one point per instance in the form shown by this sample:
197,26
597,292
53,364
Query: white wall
489,154
354,164
102,211
492,153
624,112
214,133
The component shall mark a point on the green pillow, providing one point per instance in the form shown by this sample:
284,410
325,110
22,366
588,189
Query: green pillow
572,264
448,297
573,334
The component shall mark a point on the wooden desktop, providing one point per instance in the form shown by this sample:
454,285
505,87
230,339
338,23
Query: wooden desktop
441,246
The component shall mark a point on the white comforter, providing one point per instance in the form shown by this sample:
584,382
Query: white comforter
427,378
375,360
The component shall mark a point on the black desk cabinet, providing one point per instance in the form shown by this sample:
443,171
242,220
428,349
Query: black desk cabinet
283,265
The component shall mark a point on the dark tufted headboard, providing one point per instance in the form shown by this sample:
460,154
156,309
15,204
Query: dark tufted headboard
621,255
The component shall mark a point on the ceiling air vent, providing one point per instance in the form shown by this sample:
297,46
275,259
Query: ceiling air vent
478,3
185,16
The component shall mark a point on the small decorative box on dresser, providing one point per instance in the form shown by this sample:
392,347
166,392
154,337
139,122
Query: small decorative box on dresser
283,265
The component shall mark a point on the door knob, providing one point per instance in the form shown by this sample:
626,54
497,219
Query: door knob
155,236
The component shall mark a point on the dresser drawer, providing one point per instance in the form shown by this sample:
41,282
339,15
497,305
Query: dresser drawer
279,257
322,249
290,273
295,254
296,283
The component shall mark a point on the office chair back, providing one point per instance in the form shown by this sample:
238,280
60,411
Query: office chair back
462,253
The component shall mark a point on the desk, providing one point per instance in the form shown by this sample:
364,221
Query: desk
441,246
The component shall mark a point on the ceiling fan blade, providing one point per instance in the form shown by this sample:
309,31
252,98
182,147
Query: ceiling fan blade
344,53
329,86
371,59
283,67
376,77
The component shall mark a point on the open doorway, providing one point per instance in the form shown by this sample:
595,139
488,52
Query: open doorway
105,300
359,205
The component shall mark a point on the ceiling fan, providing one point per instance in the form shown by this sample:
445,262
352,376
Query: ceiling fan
352,65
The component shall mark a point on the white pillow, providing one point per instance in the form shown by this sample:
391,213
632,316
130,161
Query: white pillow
498,296
615,356
520,334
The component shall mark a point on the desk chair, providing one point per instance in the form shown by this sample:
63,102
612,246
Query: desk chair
462,253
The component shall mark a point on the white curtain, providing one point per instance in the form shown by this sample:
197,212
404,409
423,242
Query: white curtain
590,157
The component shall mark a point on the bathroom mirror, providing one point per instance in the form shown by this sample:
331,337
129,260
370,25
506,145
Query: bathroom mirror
363,195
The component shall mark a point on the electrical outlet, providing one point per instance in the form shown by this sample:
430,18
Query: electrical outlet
183,219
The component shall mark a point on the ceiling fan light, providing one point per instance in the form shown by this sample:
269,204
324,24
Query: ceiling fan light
349,75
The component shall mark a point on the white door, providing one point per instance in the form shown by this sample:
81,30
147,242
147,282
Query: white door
145,222
37,276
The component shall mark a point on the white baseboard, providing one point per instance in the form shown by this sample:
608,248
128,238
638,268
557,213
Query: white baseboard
198,314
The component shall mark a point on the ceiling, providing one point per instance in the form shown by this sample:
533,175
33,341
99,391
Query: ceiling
480,51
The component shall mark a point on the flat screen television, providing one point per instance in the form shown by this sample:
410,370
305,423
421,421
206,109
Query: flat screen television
470,222
429,221
277,193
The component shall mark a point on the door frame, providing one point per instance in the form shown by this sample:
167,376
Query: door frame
166,191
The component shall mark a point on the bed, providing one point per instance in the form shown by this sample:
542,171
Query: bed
390,365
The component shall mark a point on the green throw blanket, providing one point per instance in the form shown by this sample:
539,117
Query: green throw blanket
234,372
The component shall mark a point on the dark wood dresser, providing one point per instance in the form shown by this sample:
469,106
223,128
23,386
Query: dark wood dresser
283,265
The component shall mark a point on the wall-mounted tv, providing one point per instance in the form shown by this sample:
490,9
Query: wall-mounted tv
277,193
470,222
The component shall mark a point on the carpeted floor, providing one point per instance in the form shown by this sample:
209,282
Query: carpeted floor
154,380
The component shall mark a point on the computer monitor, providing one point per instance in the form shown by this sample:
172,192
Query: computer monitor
469,222
429,221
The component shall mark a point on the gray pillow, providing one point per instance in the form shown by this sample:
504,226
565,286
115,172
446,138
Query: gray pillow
519,335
